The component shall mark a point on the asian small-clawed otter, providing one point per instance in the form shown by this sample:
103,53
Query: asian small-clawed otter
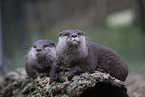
77,55
40,58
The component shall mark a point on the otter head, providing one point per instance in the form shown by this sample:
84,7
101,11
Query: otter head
71,38
42,49
71,46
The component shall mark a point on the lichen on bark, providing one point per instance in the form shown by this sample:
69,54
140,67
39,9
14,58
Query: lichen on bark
83,85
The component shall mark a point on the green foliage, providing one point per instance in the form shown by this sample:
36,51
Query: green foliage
127,41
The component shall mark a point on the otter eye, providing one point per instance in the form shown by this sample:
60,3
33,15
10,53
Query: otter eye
66,34
45,45
60,34
79,33
53,44
34,46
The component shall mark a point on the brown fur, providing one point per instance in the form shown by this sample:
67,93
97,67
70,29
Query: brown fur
82,56
40,58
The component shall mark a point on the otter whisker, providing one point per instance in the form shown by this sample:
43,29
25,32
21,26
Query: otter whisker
37,64
79,55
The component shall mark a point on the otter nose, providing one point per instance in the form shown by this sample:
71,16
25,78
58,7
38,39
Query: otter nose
74,35
38,50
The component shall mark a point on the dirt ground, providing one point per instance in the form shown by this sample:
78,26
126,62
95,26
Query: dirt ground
136,84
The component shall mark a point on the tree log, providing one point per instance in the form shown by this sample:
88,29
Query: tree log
95,84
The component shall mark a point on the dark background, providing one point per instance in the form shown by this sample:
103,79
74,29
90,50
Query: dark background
117,24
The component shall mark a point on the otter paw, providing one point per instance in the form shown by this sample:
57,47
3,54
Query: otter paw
101,70
51,80
70,77
42,74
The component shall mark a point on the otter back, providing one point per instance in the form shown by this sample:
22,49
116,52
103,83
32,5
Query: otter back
76,54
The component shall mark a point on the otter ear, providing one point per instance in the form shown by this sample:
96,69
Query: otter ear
83,33
34,46
60,34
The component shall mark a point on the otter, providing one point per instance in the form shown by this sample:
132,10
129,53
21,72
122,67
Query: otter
77,55
40,59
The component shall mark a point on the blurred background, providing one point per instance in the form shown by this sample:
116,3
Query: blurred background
117,24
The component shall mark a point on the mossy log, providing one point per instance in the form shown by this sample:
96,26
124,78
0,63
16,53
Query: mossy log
95,84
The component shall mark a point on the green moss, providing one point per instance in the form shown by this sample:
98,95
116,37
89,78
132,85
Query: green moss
74,88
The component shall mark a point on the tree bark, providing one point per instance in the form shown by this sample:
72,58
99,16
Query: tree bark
95,84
